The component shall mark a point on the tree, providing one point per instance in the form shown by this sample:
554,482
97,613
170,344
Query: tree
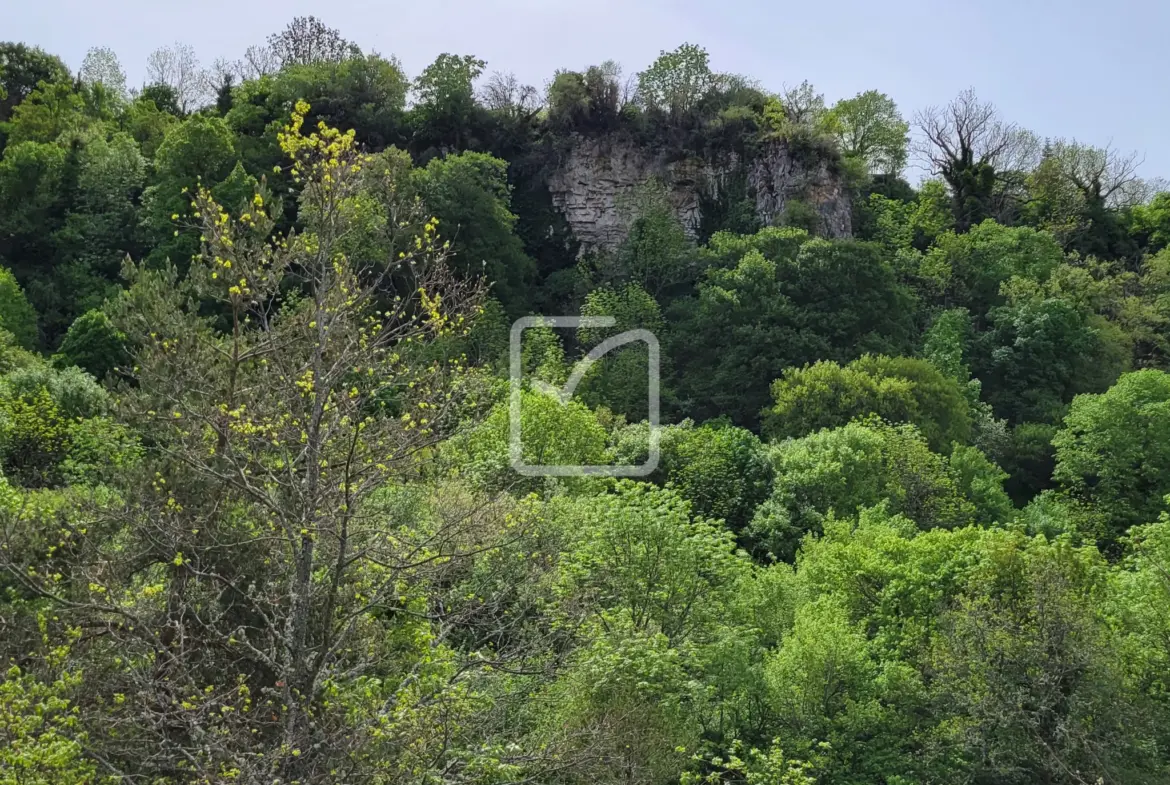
870,128
947,345
164,98
223,94
803,105
968,269
1140,593
905,225
1077,191
365,93
55,430
470,196
147,124
101,67
35,440
282,422
1146,318
41,745
652,254
840,471
590,100
53,110
975,152
257,62
739,335
567,99
306,40
721,470
177,66
823,683
749,321
32,207
199,150
1032,676
646,558
17,317
996,654
1105,176
552,433
76,394
504,94
101,228
22,69
93,344
618,381
1039,351
652,588
827,395
677,81
1029,461
754,766
1113,451
981,481
902,389
650,582
446,98
849,298
1151,222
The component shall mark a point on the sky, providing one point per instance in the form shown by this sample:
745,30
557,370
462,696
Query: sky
1080,69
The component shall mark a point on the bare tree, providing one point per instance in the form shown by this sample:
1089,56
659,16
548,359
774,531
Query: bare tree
221,72
505,94
961,134
1076,189
803,104
628,94
178,67
1103,175
101,66
980,156
307,40
625,90
257,61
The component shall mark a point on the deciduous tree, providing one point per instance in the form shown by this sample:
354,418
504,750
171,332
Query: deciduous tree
281,423
977,154
870,128
306,40
178,66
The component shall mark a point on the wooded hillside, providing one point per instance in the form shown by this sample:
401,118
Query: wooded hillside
258,516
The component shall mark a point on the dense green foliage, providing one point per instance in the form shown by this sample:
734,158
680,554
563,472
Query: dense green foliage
261,519
901,389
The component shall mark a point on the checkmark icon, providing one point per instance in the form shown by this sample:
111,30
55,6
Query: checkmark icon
565,394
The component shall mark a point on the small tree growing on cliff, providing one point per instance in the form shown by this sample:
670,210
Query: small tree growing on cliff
869,127
677,81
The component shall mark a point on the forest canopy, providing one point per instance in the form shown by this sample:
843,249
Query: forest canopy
259,520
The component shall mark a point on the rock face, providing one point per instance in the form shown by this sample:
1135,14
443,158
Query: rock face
778,175
597,181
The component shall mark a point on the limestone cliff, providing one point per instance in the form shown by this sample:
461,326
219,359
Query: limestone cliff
597,177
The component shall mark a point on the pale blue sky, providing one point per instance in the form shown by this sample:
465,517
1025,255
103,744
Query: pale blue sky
1073,68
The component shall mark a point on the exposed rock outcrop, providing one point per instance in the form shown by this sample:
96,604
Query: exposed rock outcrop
776,176
597,180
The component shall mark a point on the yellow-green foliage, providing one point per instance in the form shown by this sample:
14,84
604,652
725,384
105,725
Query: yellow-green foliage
41,741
